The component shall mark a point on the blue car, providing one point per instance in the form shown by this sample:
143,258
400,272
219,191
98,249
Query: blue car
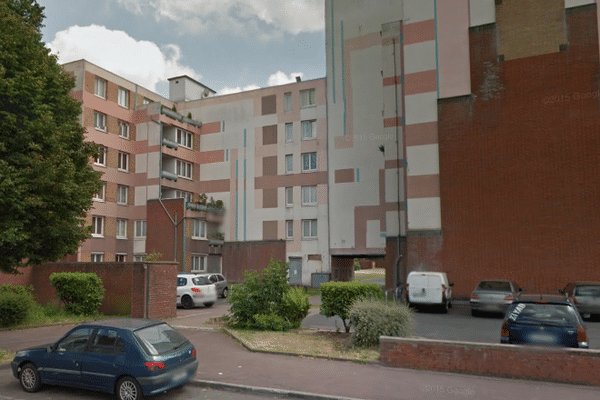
128,357
543,320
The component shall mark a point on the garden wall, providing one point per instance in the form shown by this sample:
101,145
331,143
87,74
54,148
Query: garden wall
576,366
141,290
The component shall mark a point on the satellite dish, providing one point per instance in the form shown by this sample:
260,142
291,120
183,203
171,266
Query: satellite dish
206,92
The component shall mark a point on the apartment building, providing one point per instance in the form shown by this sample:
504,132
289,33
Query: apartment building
455,135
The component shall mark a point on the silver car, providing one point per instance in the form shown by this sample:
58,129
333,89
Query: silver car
493,296
586,296
194,290
219,281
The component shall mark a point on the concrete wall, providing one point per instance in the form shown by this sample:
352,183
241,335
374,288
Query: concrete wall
575,366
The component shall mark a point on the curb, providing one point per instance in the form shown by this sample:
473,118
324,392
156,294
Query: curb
262,391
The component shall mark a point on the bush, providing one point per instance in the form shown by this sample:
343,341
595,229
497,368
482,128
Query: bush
262,302
270,322
295,306
337,298
16,303
372,318
81,292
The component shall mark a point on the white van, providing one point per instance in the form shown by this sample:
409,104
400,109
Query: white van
429,288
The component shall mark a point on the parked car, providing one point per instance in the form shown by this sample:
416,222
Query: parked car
429,288
194,290
585,296
128,357
220,282
548,320
493,296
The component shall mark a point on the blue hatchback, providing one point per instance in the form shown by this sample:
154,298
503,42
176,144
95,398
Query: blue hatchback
128,357
546,320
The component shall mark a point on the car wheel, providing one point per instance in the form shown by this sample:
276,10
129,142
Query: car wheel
208,304
128,389
445,306
187,302
224,293
29,378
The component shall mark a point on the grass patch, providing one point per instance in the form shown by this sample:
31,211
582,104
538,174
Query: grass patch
306,342
366,274
6,356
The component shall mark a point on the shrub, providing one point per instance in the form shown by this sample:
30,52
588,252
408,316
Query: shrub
16,303
266,298
337,298
81,292
270,322
372,318
295,306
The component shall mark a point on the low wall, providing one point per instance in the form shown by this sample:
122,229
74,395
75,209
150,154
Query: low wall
141,290
577,366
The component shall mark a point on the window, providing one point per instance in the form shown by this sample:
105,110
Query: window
289,132
185,139
101,193
309,228
123,97
146,101
124,130
140,228
307,98
289,229
289,196
309,130
101,159
120,257
289,164
184,169
309,162
121,228
198,263
107,341
139,258
97,257
122,194
100,121
287,101
75,342
198,229
98,226
123,162
309,195
185,195
100,87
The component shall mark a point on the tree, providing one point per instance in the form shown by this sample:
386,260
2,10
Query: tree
46,179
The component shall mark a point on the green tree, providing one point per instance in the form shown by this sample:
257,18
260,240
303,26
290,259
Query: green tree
46,180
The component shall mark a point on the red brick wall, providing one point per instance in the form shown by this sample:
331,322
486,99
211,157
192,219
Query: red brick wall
24,278
162,236
125,285
524,362
252,256
519,165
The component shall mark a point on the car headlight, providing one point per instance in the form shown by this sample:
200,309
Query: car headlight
21,354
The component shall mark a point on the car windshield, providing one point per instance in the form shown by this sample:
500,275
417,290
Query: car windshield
587,291
159,339
201,280
543,314
494,286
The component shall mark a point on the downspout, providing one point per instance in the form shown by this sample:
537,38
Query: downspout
184,233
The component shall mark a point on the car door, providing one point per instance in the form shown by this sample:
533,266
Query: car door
63,363
214,278
104,361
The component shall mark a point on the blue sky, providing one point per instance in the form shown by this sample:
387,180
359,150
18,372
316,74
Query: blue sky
228,45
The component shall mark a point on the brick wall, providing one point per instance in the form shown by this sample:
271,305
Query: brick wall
23,278
519,176
524,362
125,284
252,256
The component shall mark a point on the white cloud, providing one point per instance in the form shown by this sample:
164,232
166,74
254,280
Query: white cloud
140,61
278,78
255,18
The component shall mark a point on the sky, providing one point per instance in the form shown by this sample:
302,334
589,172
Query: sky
227,45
